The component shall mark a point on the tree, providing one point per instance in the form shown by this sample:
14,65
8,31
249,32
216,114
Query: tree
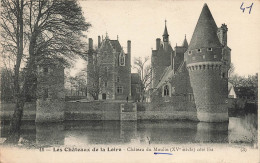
6,85
145,73
94,74
33,30
245,86
79,83
231,70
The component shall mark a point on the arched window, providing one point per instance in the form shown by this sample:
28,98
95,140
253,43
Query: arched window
122,59
166,91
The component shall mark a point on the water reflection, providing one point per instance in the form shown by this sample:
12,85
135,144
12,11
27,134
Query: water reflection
212,132
238,130
50,134
243,129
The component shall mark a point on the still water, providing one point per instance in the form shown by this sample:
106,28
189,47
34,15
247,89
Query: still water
238,130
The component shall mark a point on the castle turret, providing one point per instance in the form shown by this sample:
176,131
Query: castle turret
161,57
165,37
204,61
185,43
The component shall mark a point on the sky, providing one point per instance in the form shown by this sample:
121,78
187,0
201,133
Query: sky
143,21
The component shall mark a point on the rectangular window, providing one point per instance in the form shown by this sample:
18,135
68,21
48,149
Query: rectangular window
189,52
198,50
190,97
119,89
105,84
209,49
118,79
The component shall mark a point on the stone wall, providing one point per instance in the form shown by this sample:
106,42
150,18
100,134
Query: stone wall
128,112
171,111
7,110
49,111
96,110
103,110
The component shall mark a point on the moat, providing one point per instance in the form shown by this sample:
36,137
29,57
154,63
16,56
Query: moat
82,133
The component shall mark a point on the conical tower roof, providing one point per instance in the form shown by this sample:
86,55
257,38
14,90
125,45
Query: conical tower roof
165,33
205,33
185,42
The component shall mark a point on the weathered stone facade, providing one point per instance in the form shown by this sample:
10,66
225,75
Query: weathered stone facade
198,73
135,87
115,69
50,91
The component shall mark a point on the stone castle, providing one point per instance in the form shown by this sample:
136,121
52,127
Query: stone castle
194,75
188,81
112,71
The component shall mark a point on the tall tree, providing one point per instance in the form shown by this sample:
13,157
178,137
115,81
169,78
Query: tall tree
94,74
145,72
12,23
53,29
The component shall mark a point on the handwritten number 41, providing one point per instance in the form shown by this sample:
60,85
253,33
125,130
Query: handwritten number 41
243,8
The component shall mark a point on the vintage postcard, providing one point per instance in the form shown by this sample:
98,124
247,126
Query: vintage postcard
129,81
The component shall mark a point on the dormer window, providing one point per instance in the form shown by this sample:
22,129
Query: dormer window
198,50
209,49
122,59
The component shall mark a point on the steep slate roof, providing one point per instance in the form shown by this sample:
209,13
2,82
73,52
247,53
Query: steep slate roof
205,33
168,72
116,45
135,78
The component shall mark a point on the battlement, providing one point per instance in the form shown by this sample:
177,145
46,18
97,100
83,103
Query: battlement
204,66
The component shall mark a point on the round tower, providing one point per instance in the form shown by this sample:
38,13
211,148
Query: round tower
50,91
204,62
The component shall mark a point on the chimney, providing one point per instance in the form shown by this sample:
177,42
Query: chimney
129,47
129,62
99,41
158,42
90,43
222,34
